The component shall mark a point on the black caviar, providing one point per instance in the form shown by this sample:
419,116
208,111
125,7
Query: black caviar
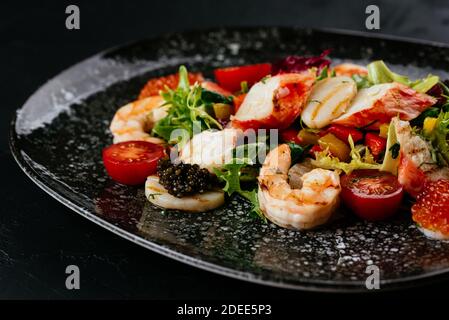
183,179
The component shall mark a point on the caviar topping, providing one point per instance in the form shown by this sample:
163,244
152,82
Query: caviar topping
184,179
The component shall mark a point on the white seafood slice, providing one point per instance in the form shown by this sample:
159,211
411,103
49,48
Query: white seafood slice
329,99
211,149
159,196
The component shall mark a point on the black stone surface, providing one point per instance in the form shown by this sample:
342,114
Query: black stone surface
39,237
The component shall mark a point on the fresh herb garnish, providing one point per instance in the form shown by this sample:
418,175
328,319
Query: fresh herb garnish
188,108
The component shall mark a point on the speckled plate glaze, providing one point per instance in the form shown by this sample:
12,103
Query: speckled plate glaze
58,135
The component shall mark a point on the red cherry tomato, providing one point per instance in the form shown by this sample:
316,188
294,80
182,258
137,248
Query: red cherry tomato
290,135
342,133
231,77
371,194
131,162
375,144
153,86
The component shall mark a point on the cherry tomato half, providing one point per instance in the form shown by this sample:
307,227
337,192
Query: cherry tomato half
371,194
231,77
131,162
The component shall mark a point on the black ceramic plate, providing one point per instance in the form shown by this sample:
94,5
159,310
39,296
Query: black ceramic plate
58,135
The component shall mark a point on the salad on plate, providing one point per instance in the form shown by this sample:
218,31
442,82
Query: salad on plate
297,138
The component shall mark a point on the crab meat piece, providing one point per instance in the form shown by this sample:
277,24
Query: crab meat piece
376,105
416,165
274,102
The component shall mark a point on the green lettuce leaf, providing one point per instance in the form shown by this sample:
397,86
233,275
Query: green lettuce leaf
378,73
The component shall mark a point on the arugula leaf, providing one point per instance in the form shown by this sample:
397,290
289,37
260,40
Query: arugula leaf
187,108
378,72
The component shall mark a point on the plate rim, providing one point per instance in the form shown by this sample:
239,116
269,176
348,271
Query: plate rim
303,284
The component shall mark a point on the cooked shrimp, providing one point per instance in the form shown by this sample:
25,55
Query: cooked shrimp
158,195
131,122
304,208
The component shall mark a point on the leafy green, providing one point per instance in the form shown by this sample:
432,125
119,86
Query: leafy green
432,112
188,109
230,174
378,72
251,196
361,81
233,174
323,74
439,134
210,97
297,151
326,161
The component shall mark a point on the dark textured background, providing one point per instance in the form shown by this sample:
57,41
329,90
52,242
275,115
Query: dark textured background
39,237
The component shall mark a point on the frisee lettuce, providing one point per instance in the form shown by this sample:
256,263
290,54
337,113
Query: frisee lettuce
325,160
